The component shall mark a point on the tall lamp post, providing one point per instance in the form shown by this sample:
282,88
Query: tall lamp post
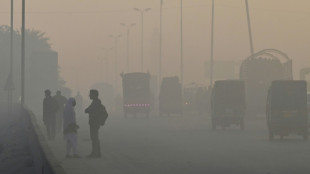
104,65
10,86
160,42
115,37
128,26
23,56
142,17
212,46
181,49
249,27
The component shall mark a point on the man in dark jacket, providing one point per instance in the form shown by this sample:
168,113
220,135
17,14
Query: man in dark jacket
50,108
94,122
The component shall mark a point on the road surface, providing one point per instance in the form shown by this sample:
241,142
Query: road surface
185,145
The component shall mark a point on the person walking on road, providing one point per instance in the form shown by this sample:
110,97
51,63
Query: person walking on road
70,128
50,108
61,101
97,117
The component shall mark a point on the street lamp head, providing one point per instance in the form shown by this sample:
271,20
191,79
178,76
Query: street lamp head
120,35
133,24
147,9
122,24
111,35
136,9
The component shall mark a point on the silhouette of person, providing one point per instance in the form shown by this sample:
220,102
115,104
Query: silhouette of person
70,128
94,122
61,101
50,108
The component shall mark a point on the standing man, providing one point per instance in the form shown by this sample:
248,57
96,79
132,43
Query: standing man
50,108
61,101
97,116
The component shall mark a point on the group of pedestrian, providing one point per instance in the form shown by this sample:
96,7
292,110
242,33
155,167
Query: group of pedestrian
59,109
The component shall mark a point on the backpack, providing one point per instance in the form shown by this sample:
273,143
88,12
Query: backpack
102,115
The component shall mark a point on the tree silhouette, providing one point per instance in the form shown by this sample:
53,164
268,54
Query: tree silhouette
41,64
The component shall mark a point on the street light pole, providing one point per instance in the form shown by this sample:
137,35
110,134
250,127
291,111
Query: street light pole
249,27
115,59
106,58
181,60
160,43
23,56
142,17
103,65
10,78
12,30
212,46
142,43
128,36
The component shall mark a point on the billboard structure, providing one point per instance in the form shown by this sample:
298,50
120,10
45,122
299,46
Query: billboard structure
223,70
258,71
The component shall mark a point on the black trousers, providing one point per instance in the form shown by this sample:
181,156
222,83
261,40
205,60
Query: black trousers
51,128
94,135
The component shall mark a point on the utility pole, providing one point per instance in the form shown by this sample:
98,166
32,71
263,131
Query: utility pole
249,27
23,56
10,86
160,43
212,46
128,37
115,60
142,17
103,65
181,61
142,40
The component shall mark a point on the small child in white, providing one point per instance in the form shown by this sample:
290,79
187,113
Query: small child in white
70,128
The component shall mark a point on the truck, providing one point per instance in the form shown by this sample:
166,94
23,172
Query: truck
170,96
286,109
136,93
228,103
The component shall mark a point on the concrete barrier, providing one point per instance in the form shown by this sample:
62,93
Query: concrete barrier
44,160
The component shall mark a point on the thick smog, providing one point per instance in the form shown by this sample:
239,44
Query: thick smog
154,87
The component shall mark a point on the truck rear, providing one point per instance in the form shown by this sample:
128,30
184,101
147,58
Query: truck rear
136,93
228,103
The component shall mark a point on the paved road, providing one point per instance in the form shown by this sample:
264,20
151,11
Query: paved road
185,145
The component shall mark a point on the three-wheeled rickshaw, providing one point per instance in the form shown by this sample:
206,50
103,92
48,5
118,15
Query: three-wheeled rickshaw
228,103
170,96
287,108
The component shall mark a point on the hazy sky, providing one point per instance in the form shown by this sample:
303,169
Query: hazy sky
79,29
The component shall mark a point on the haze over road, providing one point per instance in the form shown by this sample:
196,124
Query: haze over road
183,145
